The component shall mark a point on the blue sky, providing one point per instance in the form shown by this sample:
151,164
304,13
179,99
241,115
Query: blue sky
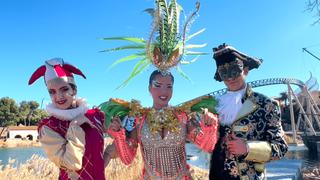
33,31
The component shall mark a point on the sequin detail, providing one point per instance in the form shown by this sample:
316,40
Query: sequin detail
165,158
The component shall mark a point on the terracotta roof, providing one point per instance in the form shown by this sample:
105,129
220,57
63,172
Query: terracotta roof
22,128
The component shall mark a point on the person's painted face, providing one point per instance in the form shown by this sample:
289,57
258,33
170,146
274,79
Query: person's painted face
61,93
236,83
161,91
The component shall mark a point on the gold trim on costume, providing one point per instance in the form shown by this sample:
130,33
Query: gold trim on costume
186,107
241,128
247,108
163,119
121,102
259,167
259,151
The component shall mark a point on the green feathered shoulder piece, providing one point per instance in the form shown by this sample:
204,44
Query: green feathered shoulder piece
197,104
119,108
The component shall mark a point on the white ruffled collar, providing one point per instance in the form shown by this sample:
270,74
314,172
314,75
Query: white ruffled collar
67,114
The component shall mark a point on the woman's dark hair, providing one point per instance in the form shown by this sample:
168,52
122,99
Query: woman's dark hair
157,72
73,86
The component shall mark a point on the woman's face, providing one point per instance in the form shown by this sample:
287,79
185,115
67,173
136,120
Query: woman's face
61,93
161,91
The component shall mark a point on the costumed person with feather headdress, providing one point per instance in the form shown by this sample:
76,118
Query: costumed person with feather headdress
250,125
162,130
72,137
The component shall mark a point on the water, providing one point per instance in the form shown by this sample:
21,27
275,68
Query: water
20,154
309,160
195,157
200,159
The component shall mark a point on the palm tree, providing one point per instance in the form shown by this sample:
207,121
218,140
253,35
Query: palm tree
284,98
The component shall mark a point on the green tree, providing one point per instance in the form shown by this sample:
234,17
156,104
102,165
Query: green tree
37,115
29,114
8,112
24,110
33,106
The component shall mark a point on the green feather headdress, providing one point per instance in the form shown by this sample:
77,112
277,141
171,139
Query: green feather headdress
166,45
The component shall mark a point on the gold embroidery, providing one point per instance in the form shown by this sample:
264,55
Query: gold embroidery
136,108
163,119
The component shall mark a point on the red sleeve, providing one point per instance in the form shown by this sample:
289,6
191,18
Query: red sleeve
96,116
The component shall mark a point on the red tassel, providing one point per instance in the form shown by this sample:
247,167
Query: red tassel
37,74
74,70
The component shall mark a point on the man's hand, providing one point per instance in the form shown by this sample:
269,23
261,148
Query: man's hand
237,146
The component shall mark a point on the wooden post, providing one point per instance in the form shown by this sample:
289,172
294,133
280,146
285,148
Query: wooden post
304,113
314,108
293,124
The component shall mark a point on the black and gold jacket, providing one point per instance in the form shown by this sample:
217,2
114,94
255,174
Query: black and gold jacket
258,122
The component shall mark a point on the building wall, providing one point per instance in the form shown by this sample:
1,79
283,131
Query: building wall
25,134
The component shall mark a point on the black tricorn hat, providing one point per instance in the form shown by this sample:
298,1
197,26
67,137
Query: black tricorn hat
224,54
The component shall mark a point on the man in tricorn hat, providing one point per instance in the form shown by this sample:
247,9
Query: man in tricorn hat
250,126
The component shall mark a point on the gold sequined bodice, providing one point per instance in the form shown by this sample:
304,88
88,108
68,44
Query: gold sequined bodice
164,158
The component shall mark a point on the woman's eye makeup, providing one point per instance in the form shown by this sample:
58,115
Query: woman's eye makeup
51,91
155,84
64,89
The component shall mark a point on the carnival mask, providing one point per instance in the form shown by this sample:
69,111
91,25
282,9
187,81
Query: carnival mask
230,70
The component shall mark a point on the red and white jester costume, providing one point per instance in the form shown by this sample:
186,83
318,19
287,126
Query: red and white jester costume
72,137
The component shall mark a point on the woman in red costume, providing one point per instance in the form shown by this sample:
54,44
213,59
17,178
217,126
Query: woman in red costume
72,136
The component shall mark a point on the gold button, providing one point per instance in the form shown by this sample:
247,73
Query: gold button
241,128
245,128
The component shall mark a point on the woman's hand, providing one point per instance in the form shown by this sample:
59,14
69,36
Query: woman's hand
209,118
109,153
115,125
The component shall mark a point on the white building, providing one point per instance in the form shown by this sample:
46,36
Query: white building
23,132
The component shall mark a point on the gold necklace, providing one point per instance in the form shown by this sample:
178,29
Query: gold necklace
163,119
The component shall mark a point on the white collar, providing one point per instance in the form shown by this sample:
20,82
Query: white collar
240,91
229,105
67,114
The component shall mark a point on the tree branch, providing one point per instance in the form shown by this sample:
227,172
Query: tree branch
314,6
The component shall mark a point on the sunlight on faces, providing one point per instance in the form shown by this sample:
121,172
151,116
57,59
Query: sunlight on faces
237,83
61,93
161,91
